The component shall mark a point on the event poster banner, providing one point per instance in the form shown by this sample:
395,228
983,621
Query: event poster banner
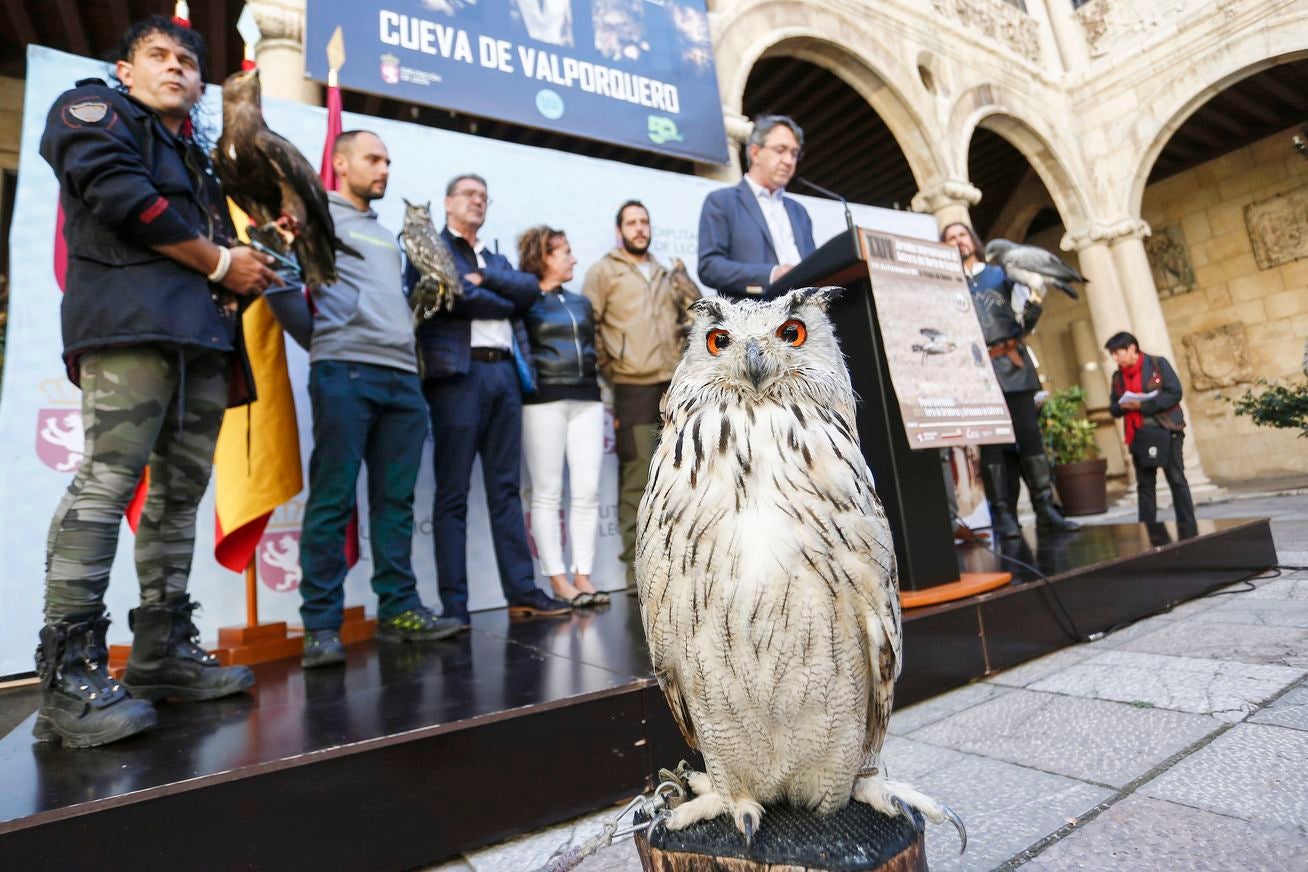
635,72
947,391
41,441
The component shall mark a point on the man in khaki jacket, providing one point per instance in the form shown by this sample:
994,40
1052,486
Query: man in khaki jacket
640,324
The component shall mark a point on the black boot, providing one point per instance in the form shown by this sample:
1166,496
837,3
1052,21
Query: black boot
1036,473
1003,521
81,703
167,661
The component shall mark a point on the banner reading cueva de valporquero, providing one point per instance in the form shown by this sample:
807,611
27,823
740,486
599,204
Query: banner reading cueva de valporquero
947,391
635,72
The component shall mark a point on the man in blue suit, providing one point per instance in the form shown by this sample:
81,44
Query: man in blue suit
752,234
474,361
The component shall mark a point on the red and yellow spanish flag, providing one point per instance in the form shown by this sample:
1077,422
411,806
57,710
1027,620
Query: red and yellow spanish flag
257,462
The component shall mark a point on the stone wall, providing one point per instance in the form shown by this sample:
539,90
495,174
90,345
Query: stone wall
11,121
1242,321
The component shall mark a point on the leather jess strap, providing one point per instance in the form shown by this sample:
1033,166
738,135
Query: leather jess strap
1010,348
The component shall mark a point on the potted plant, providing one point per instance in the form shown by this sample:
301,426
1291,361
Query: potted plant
1080,476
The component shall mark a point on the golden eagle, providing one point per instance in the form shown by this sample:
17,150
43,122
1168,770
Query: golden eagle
274,184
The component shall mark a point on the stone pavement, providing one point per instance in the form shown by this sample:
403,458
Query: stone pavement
1179,742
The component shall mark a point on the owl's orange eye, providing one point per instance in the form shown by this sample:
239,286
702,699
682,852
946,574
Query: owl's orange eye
717,341
793,332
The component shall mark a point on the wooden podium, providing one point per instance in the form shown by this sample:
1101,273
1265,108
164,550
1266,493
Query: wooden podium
909,483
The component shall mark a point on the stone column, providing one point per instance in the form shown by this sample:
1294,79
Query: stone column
1050,52
1090,373
738,130
949,201
1150,325
1068,34
1108,310
1138,288
1108,315
280,52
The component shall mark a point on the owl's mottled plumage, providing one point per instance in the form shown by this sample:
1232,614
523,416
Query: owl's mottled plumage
766,569
439,282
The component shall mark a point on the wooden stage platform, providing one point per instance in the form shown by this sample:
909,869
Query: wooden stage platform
411,754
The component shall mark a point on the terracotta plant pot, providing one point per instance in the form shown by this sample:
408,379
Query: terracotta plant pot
1083,486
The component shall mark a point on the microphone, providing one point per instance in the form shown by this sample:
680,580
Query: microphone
849,216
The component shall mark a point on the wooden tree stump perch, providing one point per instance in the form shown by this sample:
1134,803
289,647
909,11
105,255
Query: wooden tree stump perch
854,839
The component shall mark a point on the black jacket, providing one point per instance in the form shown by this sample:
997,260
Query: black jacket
561,327
992,299
1156,375
127,183
445,340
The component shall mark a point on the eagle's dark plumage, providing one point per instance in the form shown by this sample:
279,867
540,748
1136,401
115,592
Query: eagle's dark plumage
274,184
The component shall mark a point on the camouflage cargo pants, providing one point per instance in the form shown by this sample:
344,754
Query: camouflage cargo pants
140,405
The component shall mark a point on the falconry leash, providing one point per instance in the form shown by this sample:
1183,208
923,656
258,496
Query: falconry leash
656,807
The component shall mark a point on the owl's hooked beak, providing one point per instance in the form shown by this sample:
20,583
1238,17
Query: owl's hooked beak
757,367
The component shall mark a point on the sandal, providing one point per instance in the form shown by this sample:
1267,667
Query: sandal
582,600
601,598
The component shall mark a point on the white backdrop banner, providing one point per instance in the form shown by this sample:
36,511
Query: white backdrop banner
40,415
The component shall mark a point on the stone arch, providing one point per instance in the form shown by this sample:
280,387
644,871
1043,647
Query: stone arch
846,48
1028,200
1218,73
986,106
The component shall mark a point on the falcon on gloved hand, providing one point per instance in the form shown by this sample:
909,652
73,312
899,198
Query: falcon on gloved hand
1034,267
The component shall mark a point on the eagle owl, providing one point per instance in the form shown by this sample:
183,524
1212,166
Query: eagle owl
766,570
439,281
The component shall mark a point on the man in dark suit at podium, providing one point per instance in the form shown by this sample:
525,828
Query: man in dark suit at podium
752,234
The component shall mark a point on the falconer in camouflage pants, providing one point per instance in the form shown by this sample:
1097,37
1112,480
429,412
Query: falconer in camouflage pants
143,407
140,405
154,284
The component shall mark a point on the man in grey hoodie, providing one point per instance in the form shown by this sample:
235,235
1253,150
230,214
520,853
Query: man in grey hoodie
368,409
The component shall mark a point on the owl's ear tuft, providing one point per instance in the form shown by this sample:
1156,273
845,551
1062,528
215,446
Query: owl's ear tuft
710,308
820,297
407,204
427,206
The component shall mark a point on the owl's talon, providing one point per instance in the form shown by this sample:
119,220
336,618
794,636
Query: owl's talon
958,825
904,808
748,814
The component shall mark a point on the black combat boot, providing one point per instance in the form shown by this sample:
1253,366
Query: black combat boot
1003,520
81,703
167,661
1036,473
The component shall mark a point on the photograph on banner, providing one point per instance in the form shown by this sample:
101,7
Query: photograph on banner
636,74
946,387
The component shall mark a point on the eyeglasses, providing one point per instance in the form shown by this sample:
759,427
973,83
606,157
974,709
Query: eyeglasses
783,150
473,196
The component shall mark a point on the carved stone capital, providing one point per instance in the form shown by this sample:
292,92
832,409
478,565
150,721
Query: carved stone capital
1093,18
739,127
950,192
279,20
1104,232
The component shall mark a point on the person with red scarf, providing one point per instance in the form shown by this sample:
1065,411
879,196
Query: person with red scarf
1155,426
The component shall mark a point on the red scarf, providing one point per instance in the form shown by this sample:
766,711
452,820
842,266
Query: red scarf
1133,380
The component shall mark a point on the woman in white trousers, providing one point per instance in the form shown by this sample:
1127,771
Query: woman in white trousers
563,422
